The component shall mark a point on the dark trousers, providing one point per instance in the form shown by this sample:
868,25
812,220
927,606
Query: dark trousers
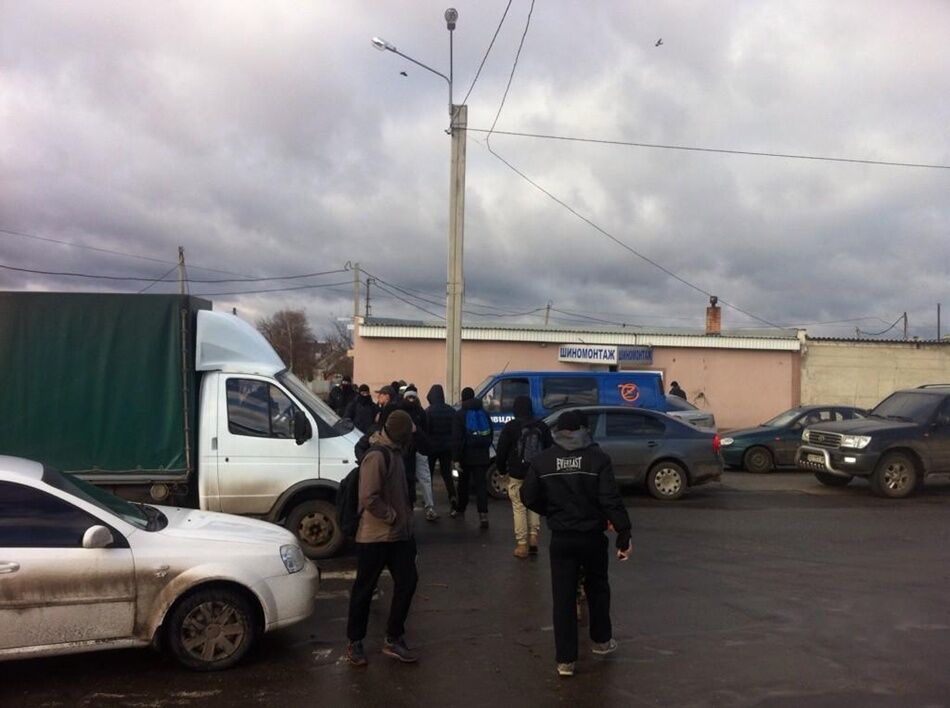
572,553
473,475
445,469
400,558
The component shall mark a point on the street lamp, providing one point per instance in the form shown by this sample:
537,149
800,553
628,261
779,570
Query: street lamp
455,280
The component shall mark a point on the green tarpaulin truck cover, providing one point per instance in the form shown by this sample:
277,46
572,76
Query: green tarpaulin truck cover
99,382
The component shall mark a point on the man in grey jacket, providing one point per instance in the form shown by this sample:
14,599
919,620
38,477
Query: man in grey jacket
384,539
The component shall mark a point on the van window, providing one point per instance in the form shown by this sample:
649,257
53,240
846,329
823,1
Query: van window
558,392
259,409
501,396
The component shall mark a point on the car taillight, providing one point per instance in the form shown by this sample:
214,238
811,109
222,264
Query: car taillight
717,443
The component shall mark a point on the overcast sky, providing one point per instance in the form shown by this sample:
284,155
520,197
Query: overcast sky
270,138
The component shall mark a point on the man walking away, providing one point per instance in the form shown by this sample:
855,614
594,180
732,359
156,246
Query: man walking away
522,438
439,416
675,390
362,410
341,396
420,450
471,447
573,485
384,539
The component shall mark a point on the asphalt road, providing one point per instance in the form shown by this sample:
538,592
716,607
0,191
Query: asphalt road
760,591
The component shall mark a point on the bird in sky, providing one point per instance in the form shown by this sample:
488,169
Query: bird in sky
658,42
403,73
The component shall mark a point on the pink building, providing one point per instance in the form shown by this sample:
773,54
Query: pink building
743,377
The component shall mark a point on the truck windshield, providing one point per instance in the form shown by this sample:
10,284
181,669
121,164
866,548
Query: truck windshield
915,407
126,511
329,422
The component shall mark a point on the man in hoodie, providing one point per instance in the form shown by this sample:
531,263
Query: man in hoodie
572,484
362,410
439,416
472,435
384,539
341,396
523,437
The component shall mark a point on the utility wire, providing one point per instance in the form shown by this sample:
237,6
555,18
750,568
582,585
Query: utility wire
408,302
620,243
487,52
152,284
158,280
823,158
277,290
884,331
511,76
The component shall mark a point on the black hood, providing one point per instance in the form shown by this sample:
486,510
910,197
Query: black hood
436,395
472,404
522,407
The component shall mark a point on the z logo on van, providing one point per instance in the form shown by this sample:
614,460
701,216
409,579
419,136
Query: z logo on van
629,392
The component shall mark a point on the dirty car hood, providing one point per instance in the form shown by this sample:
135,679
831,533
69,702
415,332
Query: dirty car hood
213,526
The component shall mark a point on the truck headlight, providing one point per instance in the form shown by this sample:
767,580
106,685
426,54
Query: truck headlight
804,436
725,442
858,442
293,558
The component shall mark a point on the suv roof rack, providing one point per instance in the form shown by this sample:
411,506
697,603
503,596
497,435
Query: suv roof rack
934,386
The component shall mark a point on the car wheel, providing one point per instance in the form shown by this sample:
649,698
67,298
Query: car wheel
833,480
211,629
758,460
667,481
895,476
315,525
497,483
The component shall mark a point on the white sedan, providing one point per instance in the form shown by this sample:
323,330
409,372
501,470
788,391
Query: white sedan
81,569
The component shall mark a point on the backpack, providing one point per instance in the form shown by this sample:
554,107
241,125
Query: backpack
478,433
348,510
530,443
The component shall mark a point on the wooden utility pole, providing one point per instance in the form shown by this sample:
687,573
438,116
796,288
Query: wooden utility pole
356,292
181,270
455,285
905,325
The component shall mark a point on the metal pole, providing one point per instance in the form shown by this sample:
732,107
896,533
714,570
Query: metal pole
905,325
181,270
938,321
547,313
367,306
455,285
356,292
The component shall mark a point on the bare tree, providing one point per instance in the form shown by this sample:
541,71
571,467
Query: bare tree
289,333
333,351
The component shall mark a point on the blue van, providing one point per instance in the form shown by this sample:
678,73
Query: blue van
550,390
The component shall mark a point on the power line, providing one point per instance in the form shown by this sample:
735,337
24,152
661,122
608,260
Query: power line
408,302
884,331
152,284
620,243
514,66
276,290
158,280
625,143
487,52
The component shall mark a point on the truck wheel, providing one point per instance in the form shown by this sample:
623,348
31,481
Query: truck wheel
667,481
758,460
833,480
497,483
315,525
211,629
895,476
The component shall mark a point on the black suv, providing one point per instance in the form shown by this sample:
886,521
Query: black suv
905,439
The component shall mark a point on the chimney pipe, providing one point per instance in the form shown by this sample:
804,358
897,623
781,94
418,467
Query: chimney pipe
713,316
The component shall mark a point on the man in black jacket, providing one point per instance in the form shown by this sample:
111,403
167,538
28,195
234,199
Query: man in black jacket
439,416
573,485
341,396
472,435
362,410
523,437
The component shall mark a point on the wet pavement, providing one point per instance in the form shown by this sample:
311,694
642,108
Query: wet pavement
760,591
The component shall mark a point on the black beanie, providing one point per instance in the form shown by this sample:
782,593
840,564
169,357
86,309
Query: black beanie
569,420
399,427
468,393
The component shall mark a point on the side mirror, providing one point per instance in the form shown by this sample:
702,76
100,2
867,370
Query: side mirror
97,537
303,431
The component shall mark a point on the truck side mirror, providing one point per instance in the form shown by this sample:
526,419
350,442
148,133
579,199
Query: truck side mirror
97,537
303,431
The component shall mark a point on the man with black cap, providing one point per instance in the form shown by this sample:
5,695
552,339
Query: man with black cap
472,437
384,539
341,395
362,410
572,484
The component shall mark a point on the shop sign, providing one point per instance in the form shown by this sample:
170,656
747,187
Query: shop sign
636,355
587,353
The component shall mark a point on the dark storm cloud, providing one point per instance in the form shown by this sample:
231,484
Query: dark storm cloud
272,139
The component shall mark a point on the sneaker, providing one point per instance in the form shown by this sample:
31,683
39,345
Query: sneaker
397,649
533,544
431,514
483,520
521,550
355,654
604,648
454,513
565,669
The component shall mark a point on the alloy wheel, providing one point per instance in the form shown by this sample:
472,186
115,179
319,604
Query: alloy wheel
213,631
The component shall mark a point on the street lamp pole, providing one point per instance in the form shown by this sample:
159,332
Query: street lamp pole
455,280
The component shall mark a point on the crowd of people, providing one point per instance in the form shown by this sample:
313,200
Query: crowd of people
561,475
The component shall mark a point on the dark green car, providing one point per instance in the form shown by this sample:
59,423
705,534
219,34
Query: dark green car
775,442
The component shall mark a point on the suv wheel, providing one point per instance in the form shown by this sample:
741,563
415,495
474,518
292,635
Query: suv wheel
497,483
211,629
758,460
833,480
895,476
315,525
667,481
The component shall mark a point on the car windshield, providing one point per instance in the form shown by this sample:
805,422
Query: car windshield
128,512
910,406
313,403
782,419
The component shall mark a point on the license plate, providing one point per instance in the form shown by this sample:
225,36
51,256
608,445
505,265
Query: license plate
816,458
